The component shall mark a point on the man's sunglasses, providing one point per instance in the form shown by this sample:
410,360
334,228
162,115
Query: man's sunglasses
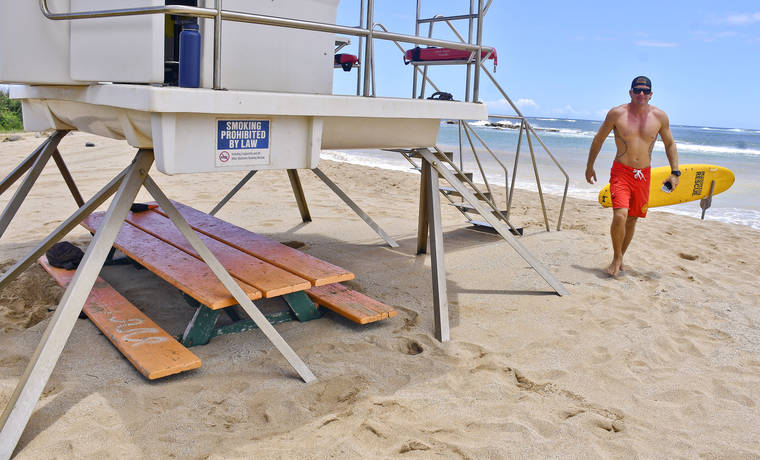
641,90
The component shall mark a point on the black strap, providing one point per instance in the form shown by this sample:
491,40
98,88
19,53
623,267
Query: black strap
441,96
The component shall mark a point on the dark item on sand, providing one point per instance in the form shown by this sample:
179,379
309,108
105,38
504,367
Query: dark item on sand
64,255
139,207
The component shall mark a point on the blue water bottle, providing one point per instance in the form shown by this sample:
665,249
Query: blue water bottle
190,56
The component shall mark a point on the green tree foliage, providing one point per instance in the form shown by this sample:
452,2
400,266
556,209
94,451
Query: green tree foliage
10,114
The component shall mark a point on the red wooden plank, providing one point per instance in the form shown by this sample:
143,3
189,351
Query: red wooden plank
272,281
317,271
149,348
351,304
178,268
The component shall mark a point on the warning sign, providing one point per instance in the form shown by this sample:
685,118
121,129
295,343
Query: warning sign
242,142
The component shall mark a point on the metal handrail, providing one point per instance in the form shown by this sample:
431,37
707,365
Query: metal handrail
236,16
496,158
480,165
401,48
528,129
524,124
466,180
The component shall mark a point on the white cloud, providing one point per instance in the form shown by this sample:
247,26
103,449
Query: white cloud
568,111
526,106
501,105
497,105
742,18
653,44
526,103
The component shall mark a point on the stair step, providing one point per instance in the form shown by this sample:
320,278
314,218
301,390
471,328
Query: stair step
461,176
488,228
451,191
467,208
449,155
456,174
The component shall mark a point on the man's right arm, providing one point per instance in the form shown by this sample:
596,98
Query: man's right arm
596,145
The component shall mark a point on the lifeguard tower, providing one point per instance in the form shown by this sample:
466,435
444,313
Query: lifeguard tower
114,68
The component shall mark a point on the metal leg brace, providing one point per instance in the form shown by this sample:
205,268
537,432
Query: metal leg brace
422,221
437,267
29,389
67,177
44,152
63,229
295,183
342,195
232,193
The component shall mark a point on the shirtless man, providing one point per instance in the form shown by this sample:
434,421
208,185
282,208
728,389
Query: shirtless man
636,126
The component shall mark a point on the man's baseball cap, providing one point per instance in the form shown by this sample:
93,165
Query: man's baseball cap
641,80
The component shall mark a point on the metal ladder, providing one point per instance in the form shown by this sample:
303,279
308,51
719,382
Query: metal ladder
474,67
477,202
455,197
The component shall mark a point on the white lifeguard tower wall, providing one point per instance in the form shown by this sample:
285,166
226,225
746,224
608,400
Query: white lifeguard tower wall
268,58
36,50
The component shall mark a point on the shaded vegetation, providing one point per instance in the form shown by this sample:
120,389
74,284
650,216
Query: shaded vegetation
10,114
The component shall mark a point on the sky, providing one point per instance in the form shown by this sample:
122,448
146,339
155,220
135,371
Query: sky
577,59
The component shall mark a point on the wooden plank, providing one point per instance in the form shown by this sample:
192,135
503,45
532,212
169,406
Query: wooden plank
317,271
176,267
272,281
149,348
353,305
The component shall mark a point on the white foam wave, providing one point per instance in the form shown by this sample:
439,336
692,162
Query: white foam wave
575,133
736,216
708,149
659,146
392,162
729,130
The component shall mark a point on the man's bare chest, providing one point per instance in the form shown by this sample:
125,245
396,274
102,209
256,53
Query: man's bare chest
637,130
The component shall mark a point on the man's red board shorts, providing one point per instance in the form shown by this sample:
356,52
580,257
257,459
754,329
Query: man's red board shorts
629,188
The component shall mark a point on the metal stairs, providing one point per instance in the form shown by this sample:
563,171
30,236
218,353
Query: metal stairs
455,198
477,202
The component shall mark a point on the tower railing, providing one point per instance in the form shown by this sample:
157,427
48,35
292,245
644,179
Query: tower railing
525,128
367,31
219,15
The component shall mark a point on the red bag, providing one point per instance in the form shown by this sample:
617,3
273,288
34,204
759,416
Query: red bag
444,54
345,61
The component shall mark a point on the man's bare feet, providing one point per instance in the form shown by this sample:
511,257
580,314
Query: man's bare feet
615,267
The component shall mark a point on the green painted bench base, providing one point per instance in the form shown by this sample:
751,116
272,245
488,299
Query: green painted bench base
202,327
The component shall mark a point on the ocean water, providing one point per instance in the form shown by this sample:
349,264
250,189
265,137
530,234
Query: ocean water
569,140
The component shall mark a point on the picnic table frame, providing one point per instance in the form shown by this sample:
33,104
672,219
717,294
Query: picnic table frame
263,267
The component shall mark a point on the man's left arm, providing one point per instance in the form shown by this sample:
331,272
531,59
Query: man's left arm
670,149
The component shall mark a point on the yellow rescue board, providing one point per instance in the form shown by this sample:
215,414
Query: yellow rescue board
694,184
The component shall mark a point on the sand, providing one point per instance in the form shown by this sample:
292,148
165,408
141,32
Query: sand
662,362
